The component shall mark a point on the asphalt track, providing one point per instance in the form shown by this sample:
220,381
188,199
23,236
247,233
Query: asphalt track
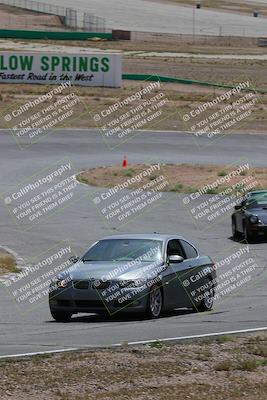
154,16
24,331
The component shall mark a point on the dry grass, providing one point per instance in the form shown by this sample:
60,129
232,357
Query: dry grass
208,369
242,364
7,263
182,99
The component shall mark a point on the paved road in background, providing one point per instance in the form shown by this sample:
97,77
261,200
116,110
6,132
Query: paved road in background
255,2
149,16
23,331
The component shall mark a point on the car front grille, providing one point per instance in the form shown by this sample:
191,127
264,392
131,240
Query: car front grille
63,303
100,284
93,283
81,284
89,304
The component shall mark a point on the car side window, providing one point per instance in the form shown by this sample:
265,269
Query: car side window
174,248
189,250
252,202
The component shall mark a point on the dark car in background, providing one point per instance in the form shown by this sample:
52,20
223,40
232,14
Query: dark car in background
142,273
250,216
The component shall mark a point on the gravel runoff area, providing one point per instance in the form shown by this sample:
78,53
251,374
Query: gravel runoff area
182,177
226,367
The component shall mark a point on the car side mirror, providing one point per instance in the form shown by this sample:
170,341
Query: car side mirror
176,259
238,207
73,259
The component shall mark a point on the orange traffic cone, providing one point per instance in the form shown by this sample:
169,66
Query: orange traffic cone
125,162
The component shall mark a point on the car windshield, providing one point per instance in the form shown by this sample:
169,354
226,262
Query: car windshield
257,200
145,250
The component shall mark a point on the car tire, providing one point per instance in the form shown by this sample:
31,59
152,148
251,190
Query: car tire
207,302
154,302
234,231
61,316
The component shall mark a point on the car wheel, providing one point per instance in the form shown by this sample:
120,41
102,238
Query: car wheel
61,316
208,300
234,231
155,302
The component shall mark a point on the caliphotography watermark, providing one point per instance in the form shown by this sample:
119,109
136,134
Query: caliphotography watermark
223,114
40,196
238,270
138,192
31,286
36,118
144,108
131,277
216,199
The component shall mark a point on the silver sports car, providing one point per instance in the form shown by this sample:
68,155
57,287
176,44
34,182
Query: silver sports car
142,273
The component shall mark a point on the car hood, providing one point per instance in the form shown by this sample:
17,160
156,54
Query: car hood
260,212
110,270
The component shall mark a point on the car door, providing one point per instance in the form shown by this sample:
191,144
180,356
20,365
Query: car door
195,275
175,295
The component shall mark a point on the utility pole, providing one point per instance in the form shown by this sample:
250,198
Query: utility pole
194,24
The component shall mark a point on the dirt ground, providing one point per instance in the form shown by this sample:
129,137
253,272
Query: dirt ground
18,18
182,178
232,368
181,99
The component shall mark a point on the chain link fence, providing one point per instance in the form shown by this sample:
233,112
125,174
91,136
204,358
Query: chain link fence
209,40
67,18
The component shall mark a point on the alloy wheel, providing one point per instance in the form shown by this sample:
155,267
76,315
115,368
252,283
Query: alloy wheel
155,301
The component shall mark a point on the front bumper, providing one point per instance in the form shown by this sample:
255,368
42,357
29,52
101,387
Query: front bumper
260,230
91,301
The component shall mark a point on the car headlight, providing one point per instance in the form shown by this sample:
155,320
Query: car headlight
62,283
132,284
254,219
